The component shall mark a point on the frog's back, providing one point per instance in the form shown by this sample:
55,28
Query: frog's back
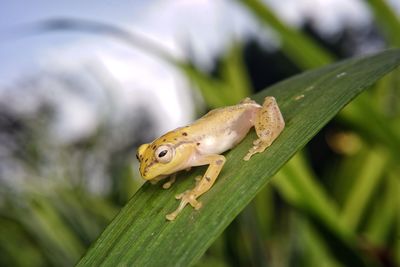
220,125
223,118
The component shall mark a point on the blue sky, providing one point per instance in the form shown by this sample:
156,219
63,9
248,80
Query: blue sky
20,53
158,16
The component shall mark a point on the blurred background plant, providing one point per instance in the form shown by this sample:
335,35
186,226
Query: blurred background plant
70,125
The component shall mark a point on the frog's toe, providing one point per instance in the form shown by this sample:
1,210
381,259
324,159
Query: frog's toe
179,196
258,147
170,182
190,198
187,197
256,142
247,100
175,213
167,185
171,216
196,205
153,182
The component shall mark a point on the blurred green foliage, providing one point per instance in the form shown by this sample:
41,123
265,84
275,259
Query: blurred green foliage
301,219
356,194
307,101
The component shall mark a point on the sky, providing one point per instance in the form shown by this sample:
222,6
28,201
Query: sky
171,20
20,52
206,26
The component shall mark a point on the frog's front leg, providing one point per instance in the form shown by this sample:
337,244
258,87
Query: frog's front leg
269,124
157,179
215,163
170,182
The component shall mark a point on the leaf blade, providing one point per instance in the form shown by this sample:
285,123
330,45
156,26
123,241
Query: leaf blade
140,235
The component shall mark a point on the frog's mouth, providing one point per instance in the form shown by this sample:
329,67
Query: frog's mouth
145,173
148,177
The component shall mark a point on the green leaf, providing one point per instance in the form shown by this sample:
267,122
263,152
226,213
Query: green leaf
367,179
140,235
295,182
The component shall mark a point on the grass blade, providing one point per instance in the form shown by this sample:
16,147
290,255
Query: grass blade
304,51
387,19
365,183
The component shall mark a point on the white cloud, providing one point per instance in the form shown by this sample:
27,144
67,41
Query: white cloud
327,16
203,27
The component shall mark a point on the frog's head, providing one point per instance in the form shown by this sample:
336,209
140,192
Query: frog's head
159,159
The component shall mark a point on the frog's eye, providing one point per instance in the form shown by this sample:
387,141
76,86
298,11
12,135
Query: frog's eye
164,154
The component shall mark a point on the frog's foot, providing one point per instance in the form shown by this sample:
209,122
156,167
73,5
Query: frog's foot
202,185
258,147
187,197
171,180
269,124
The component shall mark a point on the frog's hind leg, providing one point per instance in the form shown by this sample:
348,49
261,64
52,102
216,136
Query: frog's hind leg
269,124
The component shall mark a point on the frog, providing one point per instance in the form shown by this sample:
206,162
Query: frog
204,141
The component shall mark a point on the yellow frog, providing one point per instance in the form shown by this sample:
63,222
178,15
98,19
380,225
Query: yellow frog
203,141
